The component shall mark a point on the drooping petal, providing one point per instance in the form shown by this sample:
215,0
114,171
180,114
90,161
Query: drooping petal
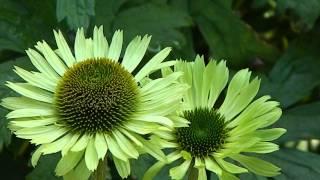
180,171
123,167
91,155
68,162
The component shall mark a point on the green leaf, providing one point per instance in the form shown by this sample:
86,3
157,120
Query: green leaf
303,12
106,12
15,33
227,36
76,12
7,74
296,73
45,168
301,122
156,20
295,165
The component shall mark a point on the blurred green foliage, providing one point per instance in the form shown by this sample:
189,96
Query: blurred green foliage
278,40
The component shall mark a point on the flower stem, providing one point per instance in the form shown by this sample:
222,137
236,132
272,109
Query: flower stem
100,173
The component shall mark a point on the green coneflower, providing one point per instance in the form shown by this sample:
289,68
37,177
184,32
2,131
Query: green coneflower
219,134
86,104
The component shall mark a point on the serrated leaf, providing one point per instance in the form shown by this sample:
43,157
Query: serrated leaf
76,12
227,36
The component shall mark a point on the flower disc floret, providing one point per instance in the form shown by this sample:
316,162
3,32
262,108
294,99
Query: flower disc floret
96,95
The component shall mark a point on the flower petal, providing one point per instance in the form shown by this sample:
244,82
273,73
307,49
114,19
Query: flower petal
115,46
180,171
135,52
257,166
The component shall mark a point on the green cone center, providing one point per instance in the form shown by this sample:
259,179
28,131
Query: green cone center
96,95
206,132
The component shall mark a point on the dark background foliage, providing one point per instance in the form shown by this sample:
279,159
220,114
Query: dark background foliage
278,40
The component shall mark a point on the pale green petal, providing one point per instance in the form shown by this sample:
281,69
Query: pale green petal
166,71
186,68
80,45
131,137
115,46
237,146
179,121
155,119
243,98
160,83
52,58
141,127
199,162
35,131
202,175
100,43
263,147
216,77
257,166
180,171
152,148
15,103
89,49
33,79
68,162
101,145
259,122
270,134
239,81
72,142
135,52
250,112
36,156
167,135
42,65
81,172
228,176
35,122
163,143
123,167
198,69
21,113
91,156
32,92
57,145
64,49
232,168
152,64
115,149
81,143
211,165
270,118
153,170
48,137
164,65
174,156
126,146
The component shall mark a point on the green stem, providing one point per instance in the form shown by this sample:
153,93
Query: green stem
100,173
193,172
